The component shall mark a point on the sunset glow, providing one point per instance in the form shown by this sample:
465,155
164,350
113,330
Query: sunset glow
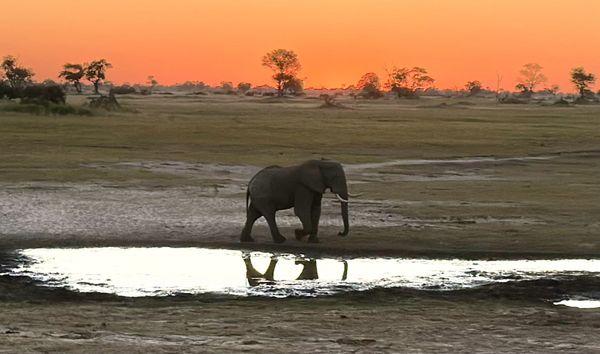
337,40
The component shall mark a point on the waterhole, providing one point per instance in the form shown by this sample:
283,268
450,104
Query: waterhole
135,272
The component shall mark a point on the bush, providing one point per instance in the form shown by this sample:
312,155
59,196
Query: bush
43,95
371,92
7,92
48,109
123,90
108,103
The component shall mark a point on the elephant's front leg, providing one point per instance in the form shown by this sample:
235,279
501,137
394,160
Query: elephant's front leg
303,208
315,217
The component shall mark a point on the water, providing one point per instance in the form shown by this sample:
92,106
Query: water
135,272
582,304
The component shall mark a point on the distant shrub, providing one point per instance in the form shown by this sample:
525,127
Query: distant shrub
370,92
108,103
511,99
244,87
249,93
269,94
43,94
48,109
123,90
330,102
6,91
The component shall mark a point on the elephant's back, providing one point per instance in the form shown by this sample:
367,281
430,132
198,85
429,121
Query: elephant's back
260,184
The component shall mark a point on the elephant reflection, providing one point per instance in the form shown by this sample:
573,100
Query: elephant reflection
309,271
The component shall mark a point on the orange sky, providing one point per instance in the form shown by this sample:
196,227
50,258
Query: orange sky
337,40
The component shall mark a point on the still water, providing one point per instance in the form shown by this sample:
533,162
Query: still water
137,272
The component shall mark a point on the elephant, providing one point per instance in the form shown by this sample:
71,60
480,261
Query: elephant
301,187
309,271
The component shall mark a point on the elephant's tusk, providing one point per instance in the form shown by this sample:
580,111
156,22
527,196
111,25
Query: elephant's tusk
355,195
341,199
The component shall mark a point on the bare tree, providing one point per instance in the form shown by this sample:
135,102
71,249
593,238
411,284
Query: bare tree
284,63
498,86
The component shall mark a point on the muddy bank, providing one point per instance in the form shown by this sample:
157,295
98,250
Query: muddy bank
504,318
469,207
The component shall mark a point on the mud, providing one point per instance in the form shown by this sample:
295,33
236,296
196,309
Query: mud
215,209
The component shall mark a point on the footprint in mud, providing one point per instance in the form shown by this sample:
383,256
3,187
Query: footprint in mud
355,341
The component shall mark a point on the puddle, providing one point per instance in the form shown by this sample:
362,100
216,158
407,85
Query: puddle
135,272
581,304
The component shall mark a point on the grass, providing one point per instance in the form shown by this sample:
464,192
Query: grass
238,130
50,109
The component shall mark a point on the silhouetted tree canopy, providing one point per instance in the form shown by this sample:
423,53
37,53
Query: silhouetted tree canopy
582,81
407,82
369,86
284,63
95,72
473,87
293,86
73,73
244,87
531,77
17,76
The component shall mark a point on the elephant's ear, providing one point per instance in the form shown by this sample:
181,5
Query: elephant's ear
312,178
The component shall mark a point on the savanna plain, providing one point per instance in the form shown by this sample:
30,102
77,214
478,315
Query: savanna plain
437,178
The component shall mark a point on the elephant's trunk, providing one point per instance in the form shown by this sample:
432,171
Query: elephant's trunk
344,207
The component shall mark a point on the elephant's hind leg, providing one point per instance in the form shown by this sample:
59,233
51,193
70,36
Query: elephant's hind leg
277,236
251,217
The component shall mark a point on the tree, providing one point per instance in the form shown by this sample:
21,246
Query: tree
407,82
17,76
73,73
244,87
227,87
369,86
473,87
95,72
582,80
284,63
152,82
531,77
293,86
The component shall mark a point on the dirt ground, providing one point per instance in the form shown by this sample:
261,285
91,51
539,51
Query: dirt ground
501,319
445,207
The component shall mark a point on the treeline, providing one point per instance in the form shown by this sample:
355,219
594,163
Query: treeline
16,81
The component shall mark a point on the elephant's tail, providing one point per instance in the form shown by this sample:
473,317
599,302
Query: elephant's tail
247,198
